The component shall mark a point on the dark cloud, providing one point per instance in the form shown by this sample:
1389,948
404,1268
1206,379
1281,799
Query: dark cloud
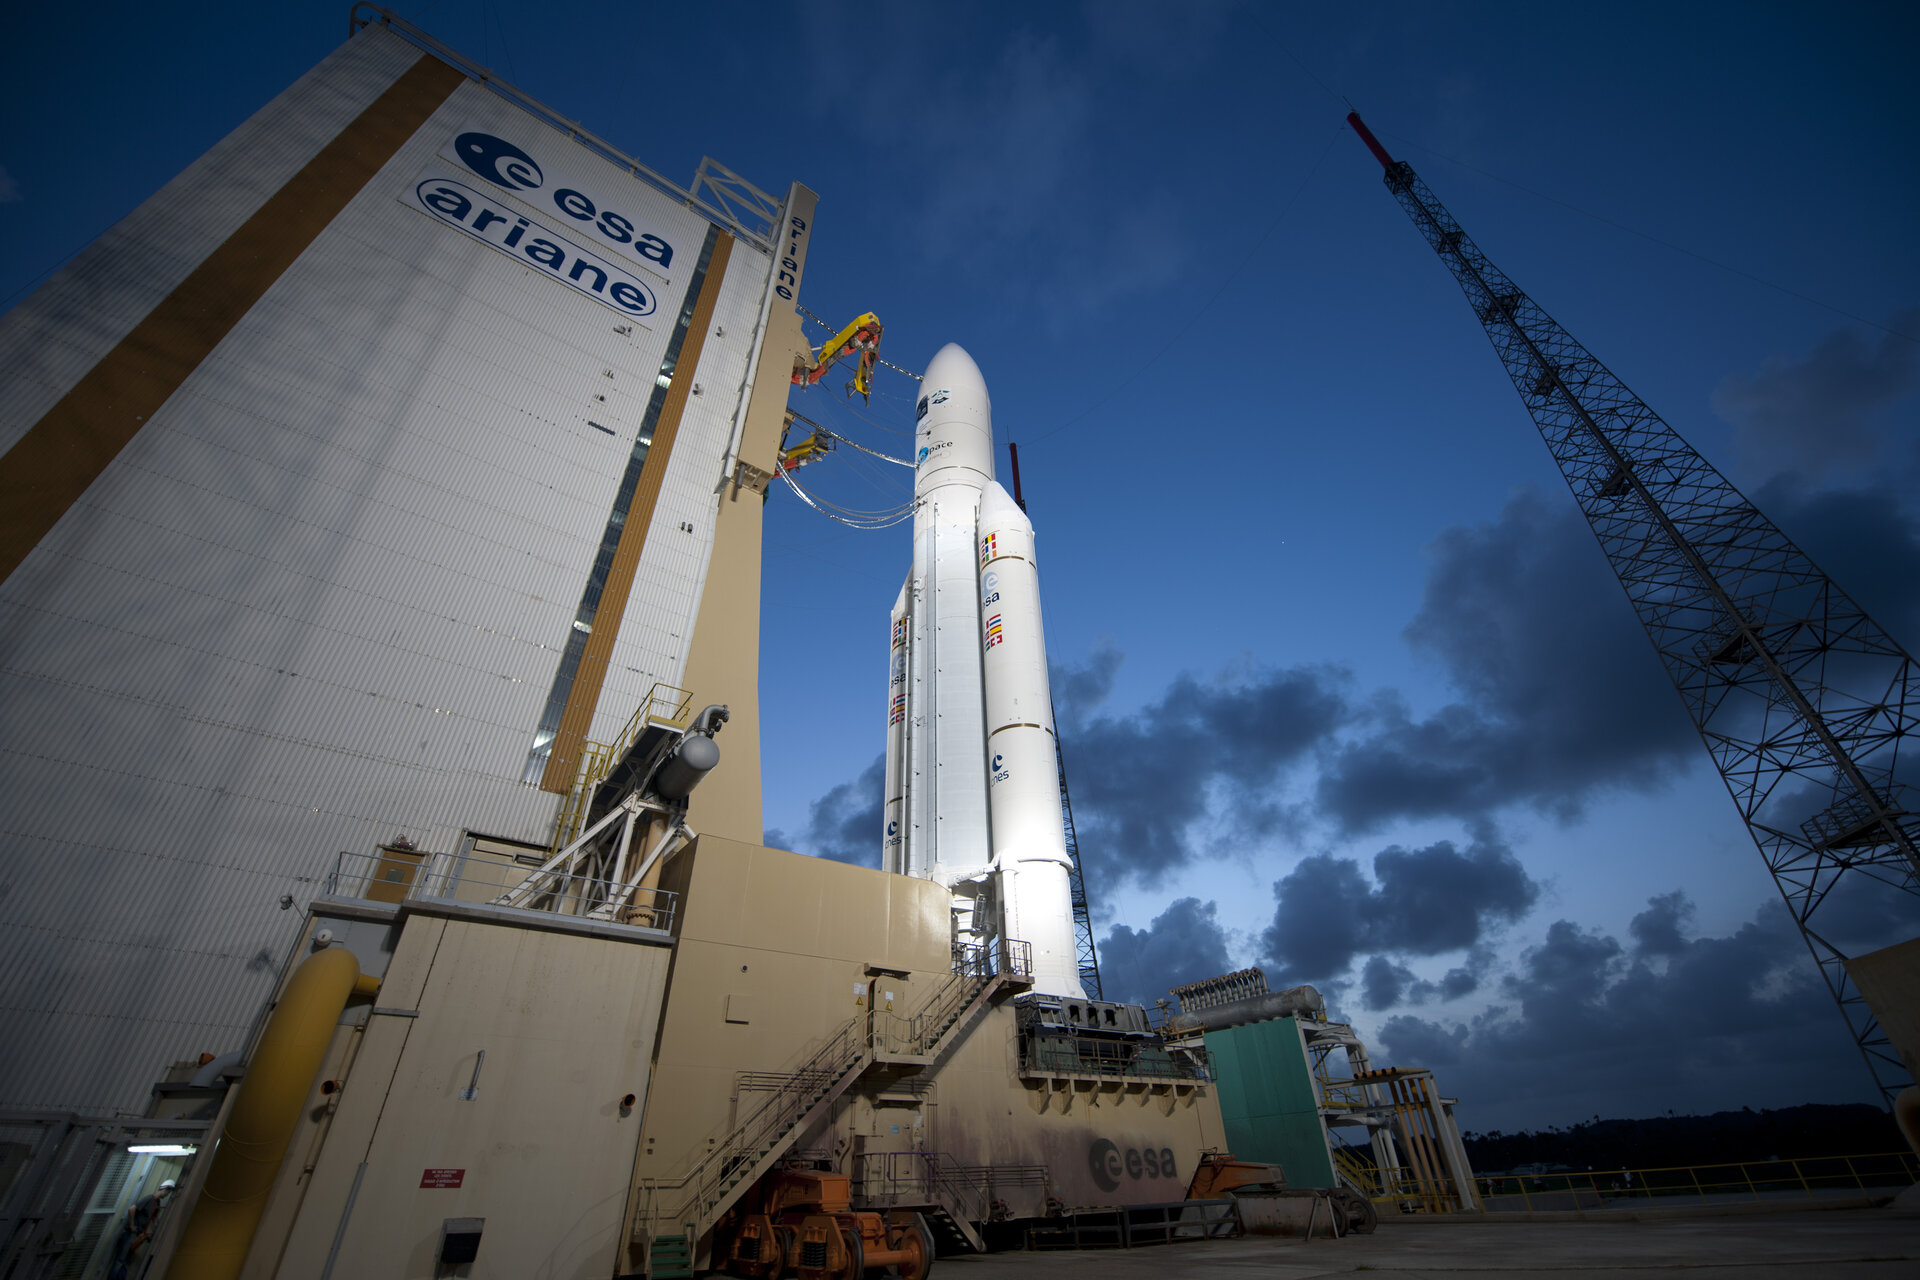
844,824
1420,902
1139,781
1810,415
1561,692
1183,944
1079,690
1384,984
1657,931
1588,1024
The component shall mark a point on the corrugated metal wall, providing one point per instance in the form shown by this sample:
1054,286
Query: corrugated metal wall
318,601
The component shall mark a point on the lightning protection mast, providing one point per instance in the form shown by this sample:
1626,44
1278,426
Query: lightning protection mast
1801,699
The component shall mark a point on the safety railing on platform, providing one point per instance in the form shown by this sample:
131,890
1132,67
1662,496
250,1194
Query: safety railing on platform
389,876
1614,1189
884,1179
975,967
1356,1171
702,1193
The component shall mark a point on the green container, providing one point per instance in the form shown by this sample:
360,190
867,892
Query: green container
1267,1099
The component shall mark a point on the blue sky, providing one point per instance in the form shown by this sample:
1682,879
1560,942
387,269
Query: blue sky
1291,512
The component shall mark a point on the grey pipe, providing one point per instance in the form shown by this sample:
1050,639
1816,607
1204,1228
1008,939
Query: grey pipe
708,722
209,1075
1293,1002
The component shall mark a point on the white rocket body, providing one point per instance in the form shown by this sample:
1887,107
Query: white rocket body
952,683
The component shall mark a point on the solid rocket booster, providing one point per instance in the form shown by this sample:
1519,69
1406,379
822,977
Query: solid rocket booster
1023,768
967,689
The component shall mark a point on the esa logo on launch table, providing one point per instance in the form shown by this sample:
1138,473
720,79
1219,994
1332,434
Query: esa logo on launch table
1106,1163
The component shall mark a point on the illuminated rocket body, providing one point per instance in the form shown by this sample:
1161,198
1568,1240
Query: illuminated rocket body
972,782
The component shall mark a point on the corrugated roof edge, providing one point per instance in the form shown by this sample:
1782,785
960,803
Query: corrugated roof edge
737,205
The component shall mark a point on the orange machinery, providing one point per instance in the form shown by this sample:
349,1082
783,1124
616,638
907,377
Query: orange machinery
802,1222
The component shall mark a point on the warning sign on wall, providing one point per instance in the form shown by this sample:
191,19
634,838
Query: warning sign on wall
442,1177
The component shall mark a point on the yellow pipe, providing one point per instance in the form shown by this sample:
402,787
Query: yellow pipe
266,1112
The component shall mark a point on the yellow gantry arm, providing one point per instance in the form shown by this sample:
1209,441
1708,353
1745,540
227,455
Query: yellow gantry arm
861,336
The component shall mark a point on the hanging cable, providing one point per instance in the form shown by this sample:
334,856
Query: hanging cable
835,435
885,522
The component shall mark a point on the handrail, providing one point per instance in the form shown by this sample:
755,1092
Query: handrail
975,967
482,881
1749,1179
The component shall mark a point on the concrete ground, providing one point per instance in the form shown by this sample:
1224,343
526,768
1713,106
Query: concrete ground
1850,1244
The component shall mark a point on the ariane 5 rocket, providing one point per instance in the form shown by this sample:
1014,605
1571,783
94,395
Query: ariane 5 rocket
972,776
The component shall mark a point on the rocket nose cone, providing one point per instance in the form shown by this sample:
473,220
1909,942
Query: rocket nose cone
953,369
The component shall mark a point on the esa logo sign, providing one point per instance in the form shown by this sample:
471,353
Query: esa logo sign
497,160
514,170
1108,1164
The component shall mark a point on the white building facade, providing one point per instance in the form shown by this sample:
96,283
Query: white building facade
345,486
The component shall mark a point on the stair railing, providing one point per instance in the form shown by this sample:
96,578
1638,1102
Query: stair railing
976,966
764,1126
1356,1172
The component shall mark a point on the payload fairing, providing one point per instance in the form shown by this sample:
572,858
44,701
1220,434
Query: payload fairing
972,777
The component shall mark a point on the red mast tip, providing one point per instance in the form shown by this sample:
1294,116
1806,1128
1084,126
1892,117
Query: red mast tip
1373,143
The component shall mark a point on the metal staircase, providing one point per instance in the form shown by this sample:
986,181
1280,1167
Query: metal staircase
676,1214
1356,1171
980,974
757,1143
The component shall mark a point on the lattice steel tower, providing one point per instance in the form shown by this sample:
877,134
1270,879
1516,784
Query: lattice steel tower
1801,699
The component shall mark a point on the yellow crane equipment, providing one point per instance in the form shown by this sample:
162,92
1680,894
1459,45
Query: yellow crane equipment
861,338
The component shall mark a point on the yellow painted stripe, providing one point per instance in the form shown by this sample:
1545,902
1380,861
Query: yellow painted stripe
563,762
46,472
